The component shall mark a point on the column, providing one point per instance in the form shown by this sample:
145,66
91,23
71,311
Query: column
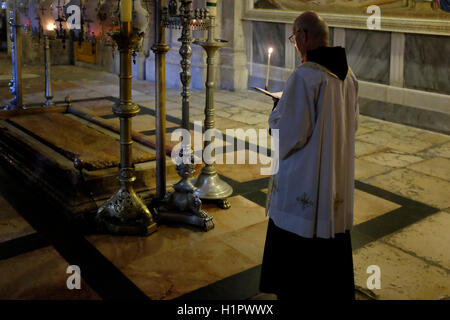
233,59
397,54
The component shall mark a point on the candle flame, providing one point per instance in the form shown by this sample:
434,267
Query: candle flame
50,27
270,50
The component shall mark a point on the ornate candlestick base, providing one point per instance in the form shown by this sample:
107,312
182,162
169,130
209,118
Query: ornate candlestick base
183,205
125,214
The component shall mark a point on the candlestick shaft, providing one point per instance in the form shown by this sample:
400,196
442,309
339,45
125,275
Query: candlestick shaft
48,80
15,84
126,10
185,74
160,49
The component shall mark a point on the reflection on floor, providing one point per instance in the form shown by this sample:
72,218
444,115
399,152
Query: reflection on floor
402,213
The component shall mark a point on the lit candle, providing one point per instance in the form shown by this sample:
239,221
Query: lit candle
212,6
126,8
268,68
50,27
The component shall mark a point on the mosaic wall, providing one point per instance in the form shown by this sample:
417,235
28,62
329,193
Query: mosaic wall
426,9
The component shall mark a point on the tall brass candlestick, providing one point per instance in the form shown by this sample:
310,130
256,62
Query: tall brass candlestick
125,212
160,49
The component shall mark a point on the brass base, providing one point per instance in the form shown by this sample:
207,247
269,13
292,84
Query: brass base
126,214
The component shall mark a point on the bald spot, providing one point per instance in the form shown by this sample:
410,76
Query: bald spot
315,26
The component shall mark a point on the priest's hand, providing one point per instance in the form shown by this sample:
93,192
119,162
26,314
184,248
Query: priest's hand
275,102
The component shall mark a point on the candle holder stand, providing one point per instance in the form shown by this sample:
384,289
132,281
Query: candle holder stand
125,212
48,82
160,49
16,84
208,183
184,204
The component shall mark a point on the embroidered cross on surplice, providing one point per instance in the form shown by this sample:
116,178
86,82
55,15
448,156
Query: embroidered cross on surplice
304,201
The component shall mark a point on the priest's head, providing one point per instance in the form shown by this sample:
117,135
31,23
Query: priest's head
309,32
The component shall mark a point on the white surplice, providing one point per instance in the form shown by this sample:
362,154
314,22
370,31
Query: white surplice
317,117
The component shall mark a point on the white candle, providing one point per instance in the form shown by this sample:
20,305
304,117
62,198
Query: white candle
268,68
126,7
212,6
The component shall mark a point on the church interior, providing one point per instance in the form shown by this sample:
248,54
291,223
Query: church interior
92,93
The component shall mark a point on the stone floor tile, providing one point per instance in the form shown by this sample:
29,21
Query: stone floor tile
363,130
39,275
364,148
365,169
264,296
428,238
433,137
258,169
249,240
414,185
12,225
387,139
203,262
249,117
122,251
437,167
391,158
439,151
368,207
403,276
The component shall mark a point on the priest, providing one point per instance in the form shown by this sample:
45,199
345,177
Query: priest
308,253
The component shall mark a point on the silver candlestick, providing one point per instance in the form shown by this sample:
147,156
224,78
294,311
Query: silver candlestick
208,183
48,82
15,85
184,204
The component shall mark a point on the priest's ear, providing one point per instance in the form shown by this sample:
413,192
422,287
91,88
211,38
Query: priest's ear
301,41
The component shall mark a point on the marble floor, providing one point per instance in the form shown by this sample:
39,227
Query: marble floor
402,212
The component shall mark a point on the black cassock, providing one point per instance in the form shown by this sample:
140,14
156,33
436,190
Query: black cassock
298,268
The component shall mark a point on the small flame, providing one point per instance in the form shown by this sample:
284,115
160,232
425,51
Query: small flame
270,50
50,27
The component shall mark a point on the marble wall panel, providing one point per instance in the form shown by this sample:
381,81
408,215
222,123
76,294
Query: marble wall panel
331,35
368,54
265,35
427,63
